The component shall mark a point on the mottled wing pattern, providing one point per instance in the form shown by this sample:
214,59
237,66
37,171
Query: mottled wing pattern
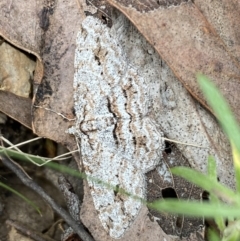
119,142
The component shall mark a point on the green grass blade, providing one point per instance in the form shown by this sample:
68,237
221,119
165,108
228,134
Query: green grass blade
236,161
225,117
195,209
207,183
212,168
22,197
212,236
212,173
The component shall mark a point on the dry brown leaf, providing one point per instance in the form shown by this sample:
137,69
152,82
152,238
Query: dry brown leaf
50,35
17,107
224,17
189,43
56,89
19,26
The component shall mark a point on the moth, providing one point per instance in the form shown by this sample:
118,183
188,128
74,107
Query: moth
119,140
